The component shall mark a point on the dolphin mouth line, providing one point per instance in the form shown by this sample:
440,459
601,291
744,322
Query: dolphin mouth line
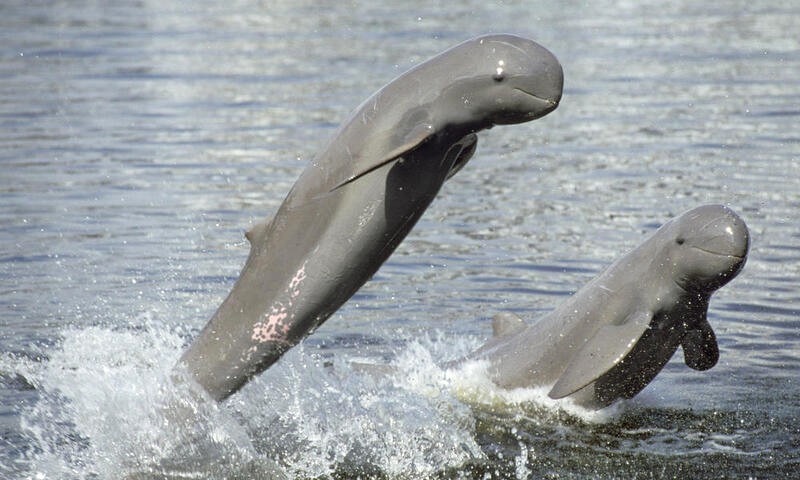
548,101
740,257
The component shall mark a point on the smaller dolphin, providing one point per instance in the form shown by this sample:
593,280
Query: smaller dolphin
612,337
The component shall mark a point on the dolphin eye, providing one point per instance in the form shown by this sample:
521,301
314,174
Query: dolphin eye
500,71
680,240
499,75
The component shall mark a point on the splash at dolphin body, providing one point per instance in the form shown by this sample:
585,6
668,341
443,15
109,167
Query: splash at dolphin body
362,194
612,337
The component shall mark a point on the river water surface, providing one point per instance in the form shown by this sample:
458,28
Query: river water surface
139,140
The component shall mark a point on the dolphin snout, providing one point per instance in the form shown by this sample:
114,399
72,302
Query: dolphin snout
718,230
728,236
544,103
550,85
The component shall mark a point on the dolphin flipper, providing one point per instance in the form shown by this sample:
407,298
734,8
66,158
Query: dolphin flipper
418,135
700,349
464,149
506,323
601,353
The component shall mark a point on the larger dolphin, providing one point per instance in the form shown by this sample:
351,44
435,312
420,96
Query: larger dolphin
362,194
612,337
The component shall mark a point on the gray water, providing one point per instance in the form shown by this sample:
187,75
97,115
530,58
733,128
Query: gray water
139,141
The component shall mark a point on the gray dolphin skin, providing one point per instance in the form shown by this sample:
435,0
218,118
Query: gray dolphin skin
362,194
613,336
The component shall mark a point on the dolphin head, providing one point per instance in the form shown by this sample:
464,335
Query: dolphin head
500,80
708,247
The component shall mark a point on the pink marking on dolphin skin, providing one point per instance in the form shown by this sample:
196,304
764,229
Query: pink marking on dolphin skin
275,325
272,328
294,285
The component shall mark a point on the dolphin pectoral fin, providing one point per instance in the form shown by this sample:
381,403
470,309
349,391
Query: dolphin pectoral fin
700,349
506,323
416,137
601,353
463,150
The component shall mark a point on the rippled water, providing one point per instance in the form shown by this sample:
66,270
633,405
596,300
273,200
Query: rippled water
138,142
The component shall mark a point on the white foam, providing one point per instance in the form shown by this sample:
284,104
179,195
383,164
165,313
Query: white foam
108,407
469,382
331,417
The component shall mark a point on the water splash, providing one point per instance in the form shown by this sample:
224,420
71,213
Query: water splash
108,408
326,417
